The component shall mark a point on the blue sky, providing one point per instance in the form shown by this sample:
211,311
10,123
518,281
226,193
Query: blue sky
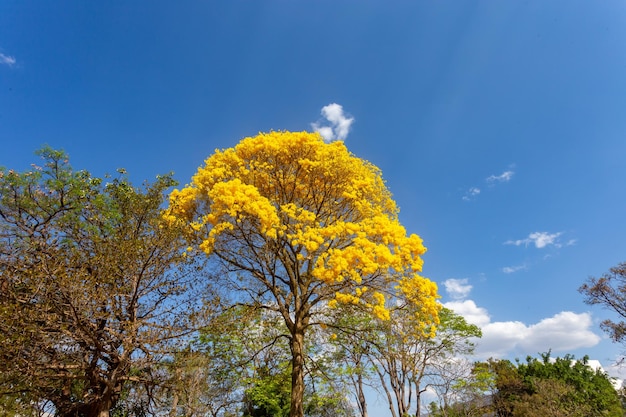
500,126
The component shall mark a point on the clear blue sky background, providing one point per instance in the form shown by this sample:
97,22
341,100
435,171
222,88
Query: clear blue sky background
500,126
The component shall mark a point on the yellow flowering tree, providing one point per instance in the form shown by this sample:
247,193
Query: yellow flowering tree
302,225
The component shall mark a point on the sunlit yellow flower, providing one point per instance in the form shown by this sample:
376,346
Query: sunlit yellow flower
316,209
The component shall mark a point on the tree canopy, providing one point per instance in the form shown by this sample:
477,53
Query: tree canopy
609,291
549,386
300,225
95,287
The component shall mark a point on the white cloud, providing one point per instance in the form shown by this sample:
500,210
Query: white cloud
617,370
457,288
512,269
500,339
472,192
562,332
539,239
470,311
491,181
504,177
326,132
339,123
7,60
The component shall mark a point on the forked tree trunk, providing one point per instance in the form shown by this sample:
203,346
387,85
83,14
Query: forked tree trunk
297,372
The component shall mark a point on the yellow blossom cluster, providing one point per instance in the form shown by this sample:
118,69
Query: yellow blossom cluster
422,294
295,193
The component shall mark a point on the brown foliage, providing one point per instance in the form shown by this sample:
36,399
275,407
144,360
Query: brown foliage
95,287
609,291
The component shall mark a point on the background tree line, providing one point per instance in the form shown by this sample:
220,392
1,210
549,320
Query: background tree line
543,386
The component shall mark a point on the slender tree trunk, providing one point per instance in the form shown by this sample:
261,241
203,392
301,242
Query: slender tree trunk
361,396
392,409
297,372
418,397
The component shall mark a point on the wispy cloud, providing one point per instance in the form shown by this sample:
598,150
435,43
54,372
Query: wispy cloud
491,181
539,239
471,193
7,60
512,269
457,288
504,177
337,124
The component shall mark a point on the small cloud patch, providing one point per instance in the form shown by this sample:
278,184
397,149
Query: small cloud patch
7,60
457,288
336,125
471,193
513,269
491,181
539,239
504,177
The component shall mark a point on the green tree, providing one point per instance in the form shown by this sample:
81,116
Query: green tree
553,387
590,387
398,358
409,361
300,225
269,394
445,358
95,286
551,397
352,333
208,377
257,350
468,394
241,363
509,386
197,384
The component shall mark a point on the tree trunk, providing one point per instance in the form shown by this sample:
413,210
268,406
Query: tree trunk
102,407
94,409
418,395
392,409
297,372
361,396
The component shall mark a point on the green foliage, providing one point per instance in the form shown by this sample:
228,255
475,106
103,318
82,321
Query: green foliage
398,357
592,388
556,387
247,352
270,393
